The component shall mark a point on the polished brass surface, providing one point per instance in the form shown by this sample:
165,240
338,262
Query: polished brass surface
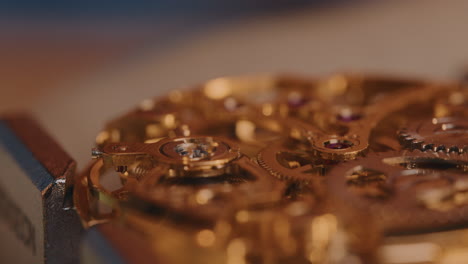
282,169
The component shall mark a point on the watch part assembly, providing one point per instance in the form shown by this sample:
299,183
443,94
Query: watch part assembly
276,169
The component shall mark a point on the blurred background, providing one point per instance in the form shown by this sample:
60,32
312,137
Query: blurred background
76,64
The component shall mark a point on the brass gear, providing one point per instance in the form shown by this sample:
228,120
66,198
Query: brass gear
287,161
247,148
173,173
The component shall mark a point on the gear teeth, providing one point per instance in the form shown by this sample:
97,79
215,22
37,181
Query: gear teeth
455,156
454,149
439,148
427,147
413,144
279,175
417,145
270,170
422,136
404,139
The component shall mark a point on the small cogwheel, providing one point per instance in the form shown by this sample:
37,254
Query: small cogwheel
290,163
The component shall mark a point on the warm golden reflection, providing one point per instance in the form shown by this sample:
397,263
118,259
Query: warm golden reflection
218,88
206,238
236,251
351,169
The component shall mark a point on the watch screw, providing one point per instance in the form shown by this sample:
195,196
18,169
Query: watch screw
96,153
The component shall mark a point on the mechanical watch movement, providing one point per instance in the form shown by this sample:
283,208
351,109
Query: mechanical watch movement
286,169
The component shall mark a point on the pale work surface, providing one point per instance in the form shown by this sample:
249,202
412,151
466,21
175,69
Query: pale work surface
410,38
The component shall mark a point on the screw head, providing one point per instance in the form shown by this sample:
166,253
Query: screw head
96,153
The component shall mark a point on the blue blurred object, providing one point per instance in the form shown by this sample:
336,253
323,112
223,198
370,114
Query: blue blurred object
142,7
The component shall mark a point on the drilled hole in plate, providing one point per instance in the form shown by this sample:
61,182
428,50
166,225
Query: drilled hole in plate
338,144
